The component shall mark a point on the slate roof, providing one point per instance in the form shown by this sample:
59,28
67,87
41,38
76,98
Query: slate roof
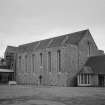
73,38
28,47
43,44
57,41
97,64
86,70
11,49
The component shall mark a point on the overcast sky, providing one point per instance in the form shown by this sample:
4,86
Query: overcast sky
24,21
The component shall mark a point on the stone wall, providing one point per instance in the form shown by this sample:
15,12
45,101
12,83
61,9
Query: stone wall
86,50
73,58
63,78
95,80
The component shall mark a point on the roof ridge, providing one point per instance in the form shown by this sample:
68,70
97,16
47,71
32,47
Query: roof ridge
55,37
71,38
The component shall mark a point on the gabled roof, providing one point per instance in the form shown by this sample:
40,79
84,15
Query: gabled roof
43,44
97,64
86,70
73,38
76,37
57,41
11,49
28,47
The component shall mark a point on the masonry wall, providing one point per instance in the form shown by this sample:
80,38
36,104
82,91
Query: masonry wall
95,80
86,48
69,67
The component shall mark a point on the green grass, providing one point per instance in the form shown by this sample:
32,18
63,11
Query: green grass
19,95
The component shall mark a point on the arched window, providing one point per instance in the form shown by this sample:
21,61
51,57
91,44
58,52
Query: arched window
49,61
89,47
33,62
20,62
26,63
59,60
41,59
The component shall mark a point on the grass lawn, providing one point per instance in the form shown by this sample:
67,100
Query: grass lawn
31,95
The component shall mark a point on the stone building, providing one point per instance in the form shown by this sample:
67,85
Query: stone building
57,61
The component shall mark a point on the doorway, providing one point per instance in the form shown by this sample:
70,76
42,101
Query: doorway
101,79
40,80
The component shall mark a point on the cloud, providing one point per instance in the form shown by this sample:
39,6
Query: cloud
23,21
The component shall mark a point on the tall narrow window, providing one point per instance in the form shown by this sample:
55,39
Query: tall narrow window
41,59
20,62
89,48
26,63
49,61
33,62
59,60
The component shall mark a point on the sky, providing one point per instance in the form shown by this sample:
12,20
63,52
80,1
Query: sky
25,21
